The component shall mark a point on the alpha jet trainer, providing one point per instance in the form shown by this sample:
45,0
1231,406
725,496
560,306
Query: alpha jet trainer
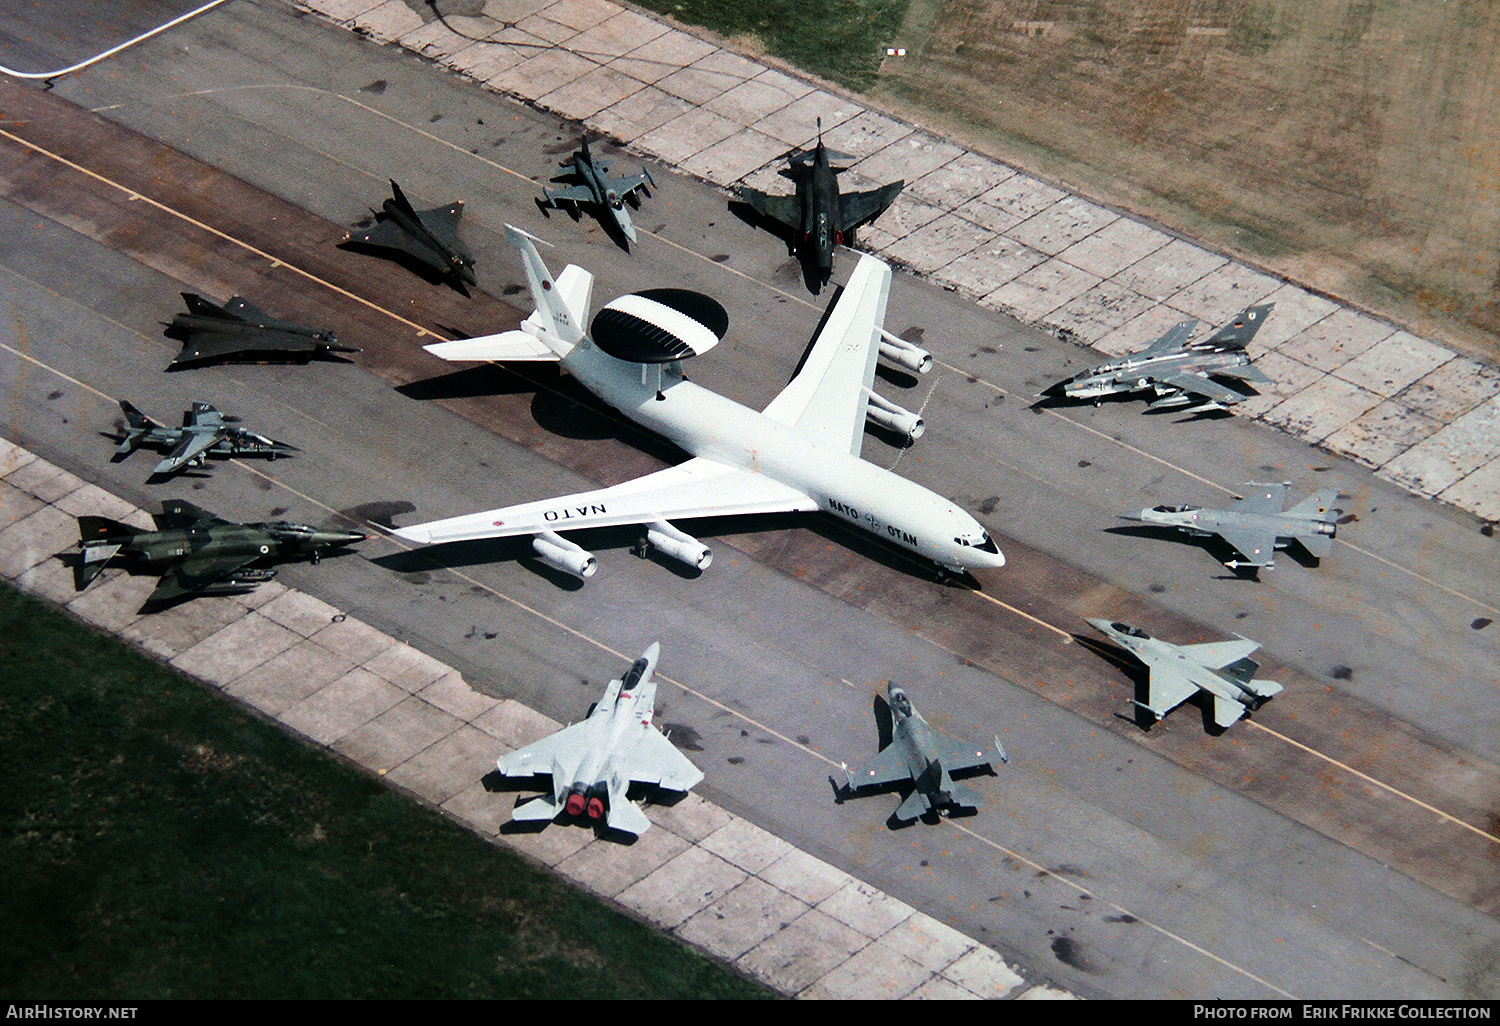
1178,372
1222,668
197,553
239,333
429,237
593,763
595,187
204,432
818,217
799,455
917,754
1256,526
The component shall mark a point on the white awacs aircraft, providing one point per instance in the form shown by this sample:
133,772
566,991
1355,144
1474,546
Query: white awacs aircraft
800,454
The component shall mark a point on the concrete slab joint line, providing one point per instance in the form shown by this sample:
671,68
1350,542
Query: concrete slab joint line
717,881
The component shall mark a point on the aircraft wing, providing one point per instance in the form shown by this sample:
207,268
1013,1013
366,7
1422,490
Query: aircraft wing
536,759
655,760
1175,338
1258,547
442,223
783,209
390,235
189,445
698,488
956,756
1202,385
1218,654
889,767
1167,689
193,575
574,193
206,344
626,183
1266,498
827,397
857,208
179,513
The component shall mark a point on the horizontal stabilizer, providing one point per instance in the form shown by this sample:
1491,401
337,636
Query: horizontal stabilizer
1318,545
508,345
915,805
540,808
1227,711
1265,688
626,816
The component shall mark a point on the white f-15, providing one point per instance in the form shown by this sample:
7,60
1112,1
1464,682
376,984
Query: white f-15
593,763
800,454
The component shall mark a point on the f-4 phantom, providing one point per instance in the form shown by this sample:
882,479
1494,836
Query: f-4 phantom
799,455
430,237
1222,668
1256,526
919,755
596,187
197,553
593,763
818,217
238,332
204,432
1178,372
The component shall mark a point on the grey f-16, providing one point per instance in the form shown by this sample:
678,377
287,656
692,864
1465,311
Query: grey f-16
594,186
593,763
430,237
204,432
919,755
1222,668
818,217
238,332
1176,371
1256,525
197,553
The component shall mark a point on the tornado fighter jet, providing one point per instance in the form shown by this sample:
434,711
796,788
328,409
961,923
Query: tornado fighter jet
430,237
204,432
800,454
595,187
593,763
238,332
1176,371
1222,668
1256,525
919,755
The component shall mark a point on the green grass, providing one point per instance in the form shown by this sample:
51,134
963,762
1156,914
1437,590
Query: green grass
841,40
159,842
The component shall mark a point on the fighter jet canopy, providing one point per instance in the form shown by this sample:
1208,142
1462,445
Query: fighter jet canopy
659,326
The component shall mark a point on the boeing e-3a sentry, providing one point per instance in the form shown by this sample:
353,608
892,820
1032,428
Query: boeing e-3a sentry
1256,525
1178,372
1222,668
204,432
594,186
593,763
799,455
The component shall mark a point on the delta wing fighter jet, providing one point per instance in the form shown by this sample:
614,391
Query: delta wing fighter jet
197,553
819,217
799,455
595,187
919,755
204,432
430,237
1256,525
1176,371
593,763
238,332
1222,668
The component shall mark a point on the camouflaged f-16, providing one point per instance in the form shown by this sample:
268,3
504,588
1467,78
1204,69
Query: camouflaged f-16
430,237
204,432
239,333
593,185
197,553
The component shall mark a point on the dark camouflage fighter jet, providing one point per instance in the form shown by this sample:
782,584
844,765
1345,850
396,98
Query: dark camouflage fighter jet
239,333
592,185
818,217
429,237
204,432
197,553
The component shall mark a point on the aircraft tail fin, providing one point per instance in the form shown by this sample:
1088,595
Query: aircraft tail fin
561,304
1239,331
401,201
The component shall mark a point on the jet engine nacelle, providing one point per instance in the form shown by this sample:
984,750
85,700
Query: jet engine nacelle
884,413
903,354
679,545
556,551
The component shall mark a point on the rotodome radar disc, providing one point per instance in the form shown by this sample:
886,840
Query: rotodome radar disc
659,326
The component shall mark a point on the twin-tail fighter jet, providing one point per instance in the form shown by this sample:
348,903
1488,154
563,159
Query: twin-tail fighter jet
197,553
592,764
1222,668
1176,371
238,332
1256,525
798,455
204,432
429,237
596,188
818,217
920,756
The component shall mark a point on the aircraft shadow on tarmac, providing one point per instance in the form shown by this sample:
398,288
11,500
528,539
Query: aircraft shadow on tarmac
1053,402
1216,547
1140,677
406,261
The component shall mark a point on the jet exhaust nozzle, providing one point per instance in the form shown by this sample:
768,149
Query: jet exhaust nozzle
596,808
909,357
679,545
561,554
575,803
897,419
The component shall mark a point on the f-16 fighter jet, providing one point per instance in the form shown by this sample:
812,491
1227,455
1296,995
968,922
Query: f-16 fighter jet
593,763
1222,668
819,217
238,332
595,187
1256,526
197,553
1178,372
204,432
800,454
430,237
919,755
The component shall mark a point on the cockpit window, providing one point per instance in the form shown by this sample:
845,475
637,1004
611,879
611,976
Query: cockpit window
1126,629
